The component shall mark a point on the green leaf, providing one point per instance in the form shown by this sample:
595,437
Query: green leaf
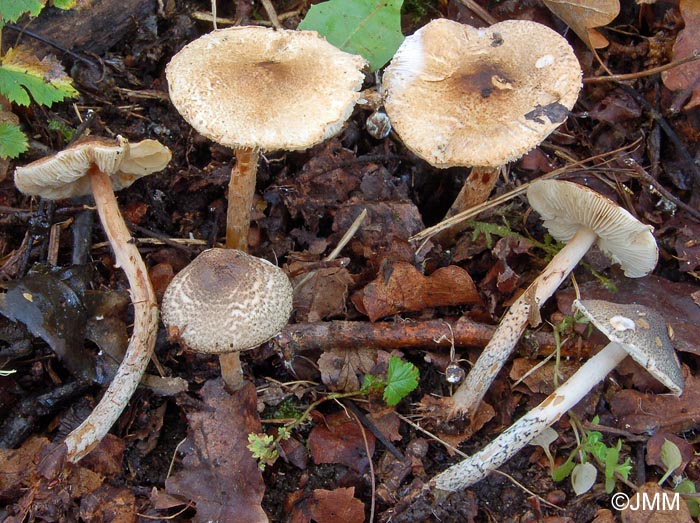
562,471
22,74
671,458
370,28
65,4
12,10
13,141
402,378
583,477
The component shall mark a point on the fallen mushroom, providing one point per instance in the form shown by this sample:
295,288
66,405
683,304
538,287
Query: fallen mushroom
254,88
462,96
633,330
224,302
580,217
101,166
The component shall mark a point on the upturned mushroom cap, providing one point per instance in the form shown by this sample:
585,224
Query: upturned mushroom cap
260,88
566,206
462,96
225,301
642,332
64,174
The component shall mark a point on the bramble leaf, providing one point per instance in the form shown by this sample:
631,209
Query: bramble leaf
22,74
12,10
370,28
13,141
401,379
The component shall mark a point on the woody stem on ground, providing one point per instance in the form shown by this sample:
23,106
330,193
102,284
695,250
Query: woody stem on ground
477,466
470,393
138,353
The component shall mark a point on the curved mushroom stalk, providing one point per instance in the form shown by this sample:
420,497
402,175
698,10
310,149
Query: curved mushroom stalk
470,393
477,466
138,353
632,330
580,217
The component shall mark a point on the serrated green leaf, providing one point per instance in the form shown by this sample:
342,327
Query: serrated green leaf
12,10
370,28
13,141
401,379
22,74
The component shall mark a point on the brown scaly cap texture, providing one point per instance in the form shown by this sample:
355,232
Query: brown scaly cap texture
259,88
64,174
642,332
566,206
225,301
462,96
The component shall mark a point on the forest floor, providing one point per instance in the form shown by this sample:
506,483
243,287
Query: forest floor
169,458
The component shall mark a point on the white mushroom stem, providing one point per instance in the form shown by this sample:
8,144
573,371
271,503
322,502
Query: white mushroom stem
470,393
138,353
241,190
477,466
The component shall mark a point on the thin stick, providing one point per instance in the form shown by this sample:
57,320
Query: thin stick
642,74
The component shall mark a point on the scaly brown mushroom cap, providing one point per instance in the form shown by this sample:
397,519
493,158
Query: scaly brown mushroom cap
642,332
225,301
259,88
64,174
462,96
565,207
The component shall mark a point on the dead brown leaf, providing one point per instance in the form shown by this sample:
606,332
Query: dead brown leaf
686,76
641,413
655,444
402,288
339,440
325,506
108,504
583,16
219,473
340,368
659,507
323,296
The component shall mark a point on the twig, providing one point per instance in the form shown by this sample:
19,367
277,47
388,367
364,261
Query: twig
373,429
479,11
641,74
356,413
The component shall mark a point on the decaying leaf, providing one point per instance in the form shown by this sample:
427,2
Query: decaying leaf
655,449
341,368
667,507
583,16
686,76
219,472
323,296
325,506
641,413
339,439
403,288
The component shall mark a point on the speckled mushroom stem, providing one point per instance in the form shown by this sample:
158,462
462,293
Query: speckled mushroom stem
138,353
470,393
476,189
477,466
241,190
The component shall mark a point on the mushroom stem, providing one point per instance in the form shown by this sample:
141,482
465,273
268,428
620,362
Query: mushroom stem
241,190
231,370
138,353
477,466
469,394
476,189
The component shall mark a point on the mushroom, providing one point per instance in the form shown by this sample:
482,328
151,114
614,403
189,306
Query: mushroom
255,88
224,302
633,330
580,217
100,166
462,96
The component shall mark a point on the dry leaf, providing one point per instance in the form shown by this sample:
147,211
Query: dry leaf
583,16
401,287
686,76
652,504
332,506
340,368
340,440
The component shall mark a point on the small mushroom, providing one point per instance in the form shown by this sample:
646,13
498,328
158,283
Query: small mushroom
224,302
100,166
581,217
255,88
462,96
633,330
